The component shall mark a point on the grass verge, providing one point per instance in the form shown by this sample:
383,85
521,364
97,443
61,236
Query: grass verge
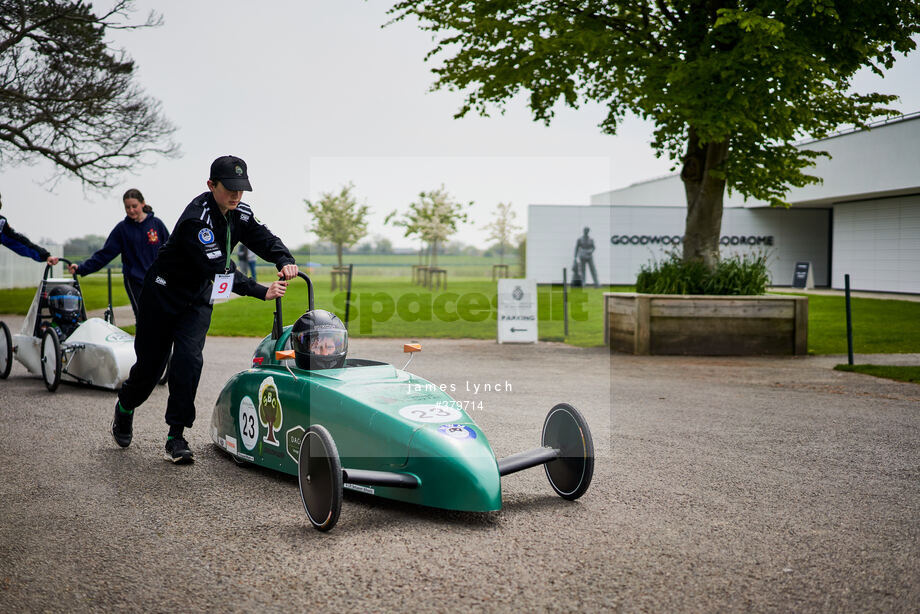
394,307
901,374
879,326
94,289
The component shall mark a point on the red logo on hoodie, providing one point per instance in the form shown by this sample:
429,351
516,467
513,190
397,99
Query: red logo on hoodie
152,237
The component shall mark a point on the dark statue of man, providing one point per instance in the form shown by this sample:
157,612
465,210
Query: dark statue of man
584,255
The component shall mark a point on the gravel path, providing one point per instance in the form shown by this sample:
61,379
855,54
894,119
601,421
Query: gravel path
720,485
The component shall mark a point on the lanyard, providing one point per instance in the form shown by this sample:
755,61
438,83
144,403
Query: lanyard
227,264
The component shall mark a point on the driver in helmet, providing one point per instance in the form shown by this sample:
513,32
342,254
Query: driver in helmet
66,307
320,341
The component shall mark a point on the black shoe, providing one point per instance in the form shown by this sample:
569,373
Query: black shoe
177,451
121,425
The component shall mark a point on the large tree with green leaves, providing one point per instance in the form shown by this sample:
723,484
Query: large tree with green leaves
730,85
68,96
338,218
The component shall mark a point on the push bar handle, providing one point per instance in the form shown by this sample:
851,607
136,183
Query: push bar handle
278,323
48,268
307,279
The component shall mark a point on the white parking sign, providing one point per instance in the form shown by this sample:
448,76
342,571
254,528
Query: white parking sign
517,311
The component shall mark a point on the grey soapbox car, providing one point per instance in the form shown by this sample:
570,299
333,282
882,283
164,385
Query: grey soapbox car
58,341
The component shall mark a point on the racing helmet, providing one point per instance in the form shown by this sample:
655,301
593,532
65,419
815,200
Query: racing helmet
66,306
320,340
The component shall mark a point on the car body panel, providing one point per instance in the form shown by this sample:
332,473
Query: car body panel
381,418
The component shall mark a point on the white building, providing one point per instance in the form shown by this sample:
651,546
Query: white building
19,272
864,219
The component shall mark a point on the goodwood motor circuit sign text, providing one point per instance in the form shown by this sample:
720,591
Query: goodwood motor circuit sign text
678,240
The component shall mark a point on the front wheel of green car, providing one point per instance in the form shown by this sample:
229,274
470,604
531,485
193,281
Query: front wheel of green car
566,430
319,474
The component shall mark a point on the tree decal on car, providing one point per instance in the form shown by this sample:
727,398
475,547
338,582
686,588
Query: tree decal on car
270,415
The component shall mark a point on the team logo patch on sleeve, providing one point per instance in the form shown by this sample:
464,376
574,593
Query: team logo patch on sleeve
206,236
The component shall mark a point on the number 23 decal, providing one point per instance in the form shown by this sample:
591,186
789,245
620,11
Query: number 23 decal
430,412
249,426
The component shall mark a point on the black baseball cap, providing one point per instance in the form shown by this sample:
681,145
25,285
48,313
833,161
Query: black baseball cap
231,171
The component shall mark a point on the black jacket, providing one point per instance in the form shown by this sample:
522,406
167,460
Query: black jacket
20,244
197,250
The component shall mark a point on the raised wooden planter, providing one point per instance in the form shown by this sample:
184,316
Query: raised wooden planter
705,325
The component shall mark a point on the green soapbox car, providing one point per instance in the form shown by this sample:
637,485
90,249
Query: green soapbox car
380,430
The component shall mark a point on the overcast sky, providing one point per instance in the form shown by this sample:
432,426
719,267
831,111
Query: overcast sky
314,94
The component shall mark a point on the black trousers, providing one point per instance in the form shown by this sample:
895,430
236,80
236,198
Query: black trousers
165,322
133,288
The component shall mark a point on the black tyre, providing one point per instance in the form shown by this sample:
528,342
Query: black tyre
565,429
319,473
51,359
6,351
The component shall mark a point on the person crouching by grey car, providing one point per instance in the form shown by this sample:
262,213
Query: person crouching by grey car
191,270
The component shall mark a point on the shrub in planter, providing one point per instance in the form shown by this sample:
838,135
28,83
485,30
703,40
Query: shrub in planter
737,275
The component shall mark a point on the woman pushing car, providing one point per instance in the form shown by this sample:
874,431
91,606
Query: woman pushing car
138,238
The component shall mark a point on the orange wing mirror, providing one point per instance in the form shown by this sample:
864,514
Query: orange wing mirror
284,354
411,349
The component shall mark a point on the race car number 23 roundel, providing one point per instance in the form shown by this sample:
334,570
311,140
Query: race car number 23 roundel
427,412
249,423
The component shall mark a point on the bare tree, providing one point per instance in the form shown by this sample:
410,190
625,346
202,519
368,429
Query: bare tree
68,97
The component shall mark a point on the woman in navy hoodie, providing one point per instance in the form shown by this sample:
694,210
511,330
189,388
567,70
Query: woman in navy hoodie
137,238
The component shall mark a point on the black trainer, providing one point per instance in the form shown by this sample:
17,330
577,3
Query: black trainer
121,425
177,451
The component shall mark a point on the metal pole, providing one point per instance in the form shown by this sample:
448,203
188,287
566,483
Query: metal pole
846,282
565,302
348,295
109,315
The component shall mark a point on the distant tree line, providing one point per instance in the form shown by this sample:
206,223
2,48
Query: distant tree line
383,246
340,223
82,248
